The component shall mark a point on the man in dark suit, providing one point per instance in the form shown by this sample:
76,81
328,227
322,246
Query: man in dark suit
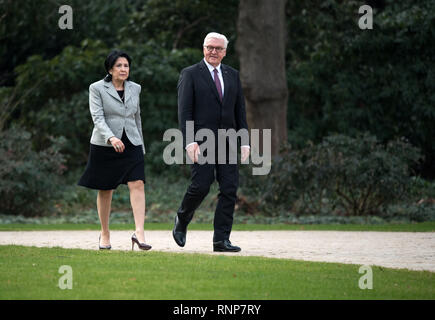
210,94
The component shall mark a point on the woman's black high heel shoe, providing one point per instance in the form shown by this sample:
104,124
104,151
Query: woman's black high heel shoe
142,246
103,247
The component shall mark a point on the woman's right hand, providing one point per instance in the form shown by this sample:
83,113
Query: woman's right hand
117,144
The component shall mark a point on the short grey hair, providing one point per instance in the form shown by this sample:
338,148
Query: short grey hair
216,35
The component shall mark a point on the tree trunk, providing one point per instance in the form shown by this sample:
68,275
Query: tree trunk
261,48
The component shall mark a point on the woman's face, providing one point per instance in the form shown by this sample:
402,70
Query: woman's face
120,69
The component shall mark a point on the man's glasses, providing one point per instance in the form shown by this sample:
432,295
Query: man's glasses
218,49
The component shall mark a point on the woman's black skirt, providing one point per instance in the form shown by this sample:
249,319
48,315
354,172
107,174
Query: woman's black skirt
107,169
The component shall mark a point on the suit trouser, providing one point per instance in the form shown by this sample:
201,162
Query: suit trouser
202,176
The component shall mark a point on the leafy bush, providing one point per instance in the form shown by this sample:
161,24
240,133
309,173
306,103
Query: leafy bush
95,19
423,190
341,175
411,211
344,79
29,179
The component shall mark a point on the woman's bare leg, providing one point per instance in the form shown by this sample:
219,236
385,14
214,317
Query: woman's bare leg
104,203
137,200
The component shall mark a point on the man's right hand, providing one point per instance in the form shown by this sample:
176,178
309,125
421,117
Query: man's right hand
193,152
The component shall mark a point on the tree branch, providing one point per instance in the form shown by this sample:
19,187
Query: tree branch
183,30
10,107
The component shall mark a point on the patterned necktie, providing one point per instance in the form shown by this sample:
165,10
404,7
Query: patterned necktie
217,83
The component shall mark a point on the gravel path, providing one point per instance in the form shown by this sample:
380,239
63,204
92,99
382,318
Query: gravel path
410,250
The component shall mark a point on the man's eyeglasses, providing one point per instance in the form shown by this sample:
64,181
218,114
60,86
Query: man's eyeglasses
218,49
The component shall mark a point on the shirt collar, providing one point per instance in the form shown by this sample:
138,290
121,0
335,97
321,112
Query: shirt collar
211,68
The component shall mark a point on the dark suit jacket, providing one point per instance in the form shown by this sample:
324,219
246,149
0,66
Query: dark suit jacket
198,100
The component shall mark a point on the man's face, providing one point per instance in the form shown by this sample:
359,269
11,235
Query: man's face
214,51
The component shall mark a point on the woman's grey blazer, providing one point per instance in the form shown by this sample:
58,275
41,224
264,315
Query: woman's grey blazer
110,115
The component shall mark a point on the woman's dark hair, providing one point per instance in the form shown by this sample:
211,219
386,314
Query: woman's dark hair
110,62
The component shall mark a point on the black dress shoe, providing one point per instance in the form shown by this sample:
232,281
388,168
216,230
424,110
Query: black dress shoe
225,246
179,232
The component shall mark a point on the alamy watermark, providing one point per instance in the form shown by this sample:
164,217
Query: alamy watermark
366,21
66,20
366,281
65,281
174,152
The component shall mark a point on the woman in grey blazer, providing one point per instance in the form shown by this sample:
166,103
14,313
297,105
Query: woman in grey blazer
117,150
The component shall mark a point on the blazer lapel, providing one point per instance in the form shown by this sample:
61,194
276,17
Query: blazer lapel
227,86
127,91
110,89
208,79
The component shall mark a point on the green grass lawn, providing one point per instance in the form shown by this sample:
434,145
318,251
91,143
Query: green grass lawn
409,227
32,273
